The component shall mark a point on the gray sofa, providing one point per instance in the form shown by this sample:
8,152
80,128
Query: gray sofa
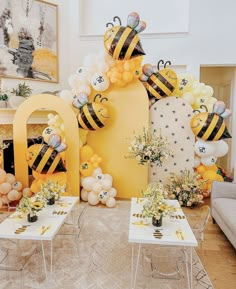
223,208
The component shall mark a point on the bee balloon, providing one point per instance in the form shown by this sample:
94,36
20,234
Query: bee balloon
211,126
45,158
92,115
159,83
121,42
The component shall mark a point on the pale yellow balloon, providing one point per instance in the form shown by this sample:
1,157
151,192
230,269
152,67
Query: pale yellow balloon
189,97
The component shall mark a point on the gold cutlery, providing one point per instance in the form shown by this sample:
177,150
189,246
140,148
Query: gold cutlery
179,234
59,213
44,229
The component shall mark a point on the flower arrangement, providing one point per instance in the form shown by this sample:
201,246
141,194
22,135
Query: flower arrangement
149,147
31,205
186,188
52,189
155,204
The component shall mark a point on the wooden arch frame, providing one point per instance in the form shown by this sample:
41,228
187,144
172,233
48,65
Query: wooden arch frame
22,114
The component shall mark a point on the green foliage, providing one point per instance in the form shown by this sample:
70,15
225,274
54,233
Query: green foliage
22,90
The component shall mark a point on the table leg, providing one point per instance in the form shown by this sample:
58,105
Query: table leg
51,257
191,268
136,267
44,260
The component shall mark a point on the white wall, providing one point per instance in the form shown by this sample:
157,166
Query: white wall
210,39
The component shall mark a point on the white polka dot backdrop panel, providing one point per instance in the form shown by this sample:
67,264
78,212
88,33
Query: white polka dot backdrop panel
172,116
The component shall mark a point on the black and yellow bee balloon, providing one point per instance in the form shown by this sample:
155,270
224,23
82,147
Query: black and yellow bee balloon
122,42
45,158
210,126
158,83
92,115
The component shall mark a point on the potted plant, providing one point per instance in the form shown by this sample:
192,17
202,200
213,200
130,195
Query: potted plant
19,94
155,205
31,206
51,191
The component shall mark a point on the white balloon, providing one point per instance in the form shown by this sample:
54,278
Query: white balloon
112,192
74,80
197,161
97,187
106,184
97,171
84,195
88,182
111,202
189,97
93,198
209,161
100,82
222,148
85,89
107,176
204,148
103,196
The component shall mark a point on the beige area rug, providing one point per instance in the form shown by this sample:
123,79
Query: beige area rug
99,258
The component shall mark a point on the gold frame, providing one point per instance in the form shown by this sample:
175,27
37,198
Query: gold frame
35,57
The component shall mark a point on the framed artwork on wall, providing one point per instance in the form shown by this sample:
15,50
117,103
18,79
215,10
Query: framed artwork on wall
29,40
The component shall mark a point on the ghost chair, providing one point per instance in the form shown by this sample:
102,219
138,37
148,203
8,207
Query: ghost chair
15,255
72,226
198,221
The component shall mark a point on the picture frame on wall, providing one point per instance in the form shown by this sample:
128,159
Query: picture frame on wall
29,40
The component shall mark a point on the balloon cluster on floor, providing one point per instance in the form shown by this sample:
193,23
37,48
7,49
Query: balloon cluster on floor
10,189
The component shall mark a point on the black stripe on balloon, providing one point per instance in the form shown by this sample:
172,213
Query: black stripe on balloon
126,44
216,128
85,120
138,50
49,162
156,87
94,116
206,125
164,81
60,167
116,40
40,156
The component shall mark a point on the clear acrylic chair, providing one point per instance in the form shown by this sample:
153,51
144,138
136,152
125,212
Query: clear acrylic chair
198,221
14,257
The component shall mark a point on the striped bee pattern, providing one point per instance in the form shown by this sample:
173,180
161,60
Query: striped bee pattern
123,43
158,83
45,158
211,126
92,115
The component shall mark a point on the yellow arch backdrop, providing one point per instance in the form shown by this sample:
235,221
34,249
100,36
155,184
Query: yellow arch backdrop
128,109
22,114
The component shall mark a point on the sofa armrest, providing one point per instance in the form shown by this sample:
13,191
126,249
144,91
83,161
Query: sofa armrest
223,190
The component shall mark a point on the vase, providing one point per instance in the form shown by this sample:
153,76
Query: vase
15,101
51,201
157,222
32,219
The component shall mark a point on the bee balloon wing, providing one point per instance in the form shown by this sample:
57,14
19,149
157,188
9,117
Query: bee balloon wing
227,113
80,100
62,147
219,107
133,20
54,140
140,27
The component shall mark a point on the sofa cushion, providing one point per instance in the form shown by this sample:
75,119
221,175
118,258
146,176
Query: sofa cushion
226,208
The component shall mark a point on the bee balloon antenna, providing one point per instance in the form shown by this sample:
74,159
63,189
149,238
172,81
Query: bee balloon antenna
160,62
167,63
204,106
100,96
196,110
117,18
109,23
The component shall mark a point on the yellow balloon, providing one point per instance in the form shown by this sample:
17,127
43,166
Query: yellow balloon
86,169
38,176
220,178
201,169
83,135
210,175
59,177
212,168
86,152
